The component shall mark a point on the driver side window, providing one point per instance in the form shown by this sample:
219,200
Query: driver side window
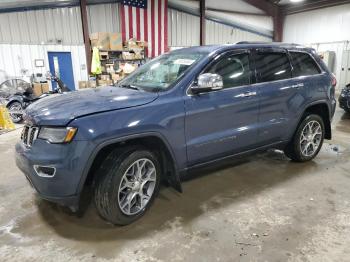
234,70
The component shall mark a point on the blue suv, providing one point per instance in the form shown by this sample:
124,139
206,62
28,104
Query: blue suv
185,109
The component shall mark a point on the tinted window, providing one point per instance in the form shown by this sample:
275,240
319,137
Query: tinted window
233,69
303,64
272,66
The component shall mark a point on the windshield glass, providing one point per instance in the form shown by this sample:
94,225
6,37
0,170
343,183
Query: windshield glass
162,72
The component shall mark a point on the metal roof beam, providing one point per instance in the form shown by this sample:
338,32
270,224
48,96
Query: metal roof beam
274,11
311,5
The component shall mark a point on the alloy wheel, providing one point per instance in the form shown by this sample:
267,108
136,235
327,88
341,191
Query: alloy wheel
310,139
137,186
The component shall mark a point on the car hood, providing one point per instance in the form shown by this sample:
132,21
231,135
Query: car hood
60,109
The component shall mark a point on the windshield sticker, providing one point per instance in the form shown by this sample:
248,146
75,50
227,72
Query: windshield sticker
184,61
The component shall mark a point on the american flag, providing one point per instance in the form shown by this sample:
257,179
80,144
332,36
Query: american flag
146,20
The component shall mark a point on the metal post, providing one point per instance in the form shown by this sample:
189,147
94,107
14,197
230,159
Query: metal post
85,27
202,21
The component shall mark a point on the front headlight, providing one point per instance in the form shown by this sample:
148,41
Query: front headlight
57,134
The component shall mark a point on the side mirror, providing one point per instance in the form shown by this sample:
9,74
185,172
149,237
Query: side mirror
207,82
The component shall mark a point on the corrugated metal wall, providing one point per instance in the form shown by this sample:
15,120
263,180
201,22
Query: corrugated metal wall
183,30
42,26
324,29
26,36
104,18
223,34
14,58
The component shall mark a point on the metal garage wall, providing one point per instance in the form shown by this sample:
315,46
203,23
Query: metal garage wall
42,26
26,36
104,18
183,30
14,58
222,34
317,28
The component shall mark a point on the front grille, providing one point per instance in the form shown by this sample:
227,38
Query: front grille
29,134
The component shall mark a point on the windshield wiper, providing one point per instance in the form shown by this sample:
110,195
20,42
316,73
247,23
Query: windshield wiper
130,87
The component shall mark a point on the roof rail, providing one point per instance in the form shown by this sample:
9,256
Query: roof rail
251,42
266,43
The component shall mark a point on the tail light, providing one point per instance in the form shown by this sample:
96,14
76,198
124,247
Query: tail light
334,81
334,84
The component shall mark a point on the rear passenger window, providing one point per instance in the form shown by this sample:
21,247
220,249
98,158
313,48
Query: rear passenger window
272,66
234,70
303,65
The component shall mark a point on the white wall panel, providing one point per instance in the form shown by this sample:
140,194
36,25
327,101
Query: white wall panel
324,29
42,26
183,29
223,34
323,25
258,22
14,58
104,18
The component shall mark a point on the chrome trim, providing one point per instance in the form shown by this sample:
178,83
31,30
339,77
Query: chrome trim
246,94
240,51
43,174
27,136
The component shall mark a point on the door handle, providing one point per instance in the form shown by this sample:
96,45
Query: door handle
298,85
246,94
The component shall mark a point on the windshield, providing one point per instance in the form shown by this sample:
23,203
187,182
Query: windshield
162,72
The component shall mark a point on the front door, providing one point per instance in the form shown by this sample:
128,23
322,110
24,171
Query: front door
60,64
223,122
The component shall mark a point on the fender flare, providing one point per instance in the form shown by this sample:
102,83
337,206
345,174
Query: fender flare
314,103
108,142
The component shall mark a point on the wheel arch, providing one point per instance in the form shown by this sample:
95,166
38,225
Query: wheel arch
13,100
321,109
152,141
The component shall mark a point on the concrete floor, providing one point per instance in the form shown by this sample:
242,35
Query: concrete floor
264,208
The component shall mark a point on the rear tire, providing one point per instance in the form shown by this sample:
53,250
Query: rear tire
307,140
127,184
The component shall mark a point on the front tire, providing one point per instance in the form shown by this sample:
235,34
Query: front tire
128,182
15,106
307,140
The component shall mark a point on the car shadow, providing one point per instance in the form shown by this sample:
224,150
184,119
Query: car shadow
204,190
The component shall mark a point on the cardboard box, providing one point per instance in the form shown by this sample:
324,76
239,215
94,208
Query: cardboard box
83,84
115,77
37,89
115,41
45,88
101,82
128,56
131,44
104,77
138,55
40,88
100,40
91,83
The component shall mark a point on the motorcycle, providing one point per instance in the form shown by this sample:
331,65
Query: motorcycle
20,101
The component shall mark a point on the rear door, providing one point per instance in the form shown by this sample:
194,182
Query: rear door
280,99
223,122
306,72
